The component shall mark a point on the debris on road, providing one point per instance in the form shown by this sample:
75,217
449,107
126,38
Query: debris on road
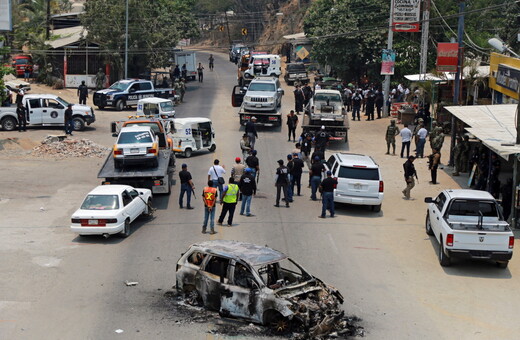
119,331
55,146
131,283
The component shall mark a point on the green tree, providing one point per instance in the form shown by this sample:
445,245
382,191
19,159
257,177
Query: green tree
155,27
4,70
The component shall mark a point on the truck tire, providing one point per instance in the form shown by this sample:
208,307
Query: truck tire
376,208
78,124
428,225
120,105
213,147
9,123
187,153
443,259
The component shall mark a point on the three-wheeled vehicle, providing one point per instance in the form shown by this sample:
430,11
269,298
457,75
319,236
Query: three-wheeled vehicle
157,107
192,134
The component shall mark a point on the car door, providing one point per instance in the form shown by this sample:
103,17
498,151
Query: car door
137,204
53,112
209,281
239,296
237,96
127,206
145,90
34,110
435,210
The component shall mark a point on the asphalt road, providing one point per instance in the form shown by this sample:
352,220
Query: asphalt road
55,285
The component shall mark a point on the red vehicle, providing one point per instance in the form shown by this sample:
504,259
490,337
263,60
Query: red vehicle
22,63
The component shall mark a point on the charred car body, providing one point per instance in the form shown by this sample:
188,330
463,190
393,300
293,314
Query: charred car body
256,283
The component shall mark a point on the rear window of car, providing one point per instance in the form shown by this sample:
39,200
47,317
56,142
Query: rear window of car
296,68
134,137
153,126
101,202
359,173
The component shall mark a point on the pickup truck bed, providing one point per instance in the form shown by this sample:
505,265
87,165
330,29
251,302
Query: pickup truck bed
337,130
157,179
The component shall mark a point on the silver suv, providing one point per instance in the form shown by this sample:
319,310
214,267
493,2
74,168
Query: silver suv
359,180
263,94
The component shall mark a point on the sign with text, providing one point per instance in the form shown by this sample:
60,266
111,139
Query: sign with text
447,57
406,15
508,77
388,63
6,20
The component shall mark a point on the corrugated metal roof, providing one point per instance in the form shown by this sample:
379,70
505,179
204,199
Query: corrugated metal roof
494,125
67,36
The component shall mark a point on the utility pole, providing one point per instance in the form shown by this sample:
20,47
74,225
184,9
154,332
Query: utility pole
458,75
48,26
386,87
126,42
424,38
227,28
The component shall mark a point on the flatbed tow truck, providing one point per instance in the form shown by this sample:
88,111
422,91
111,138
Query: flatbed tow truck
158,179
336,132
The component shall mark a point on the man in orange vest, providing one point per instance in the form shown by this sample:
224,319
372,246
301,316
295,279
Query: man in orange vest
209,197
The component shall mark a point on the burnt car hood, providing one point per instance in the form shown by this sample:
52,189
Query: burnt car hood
312,285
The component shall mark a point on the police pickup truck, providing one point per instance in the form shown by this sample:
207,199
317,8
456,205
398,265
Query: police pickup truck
46,110
127,92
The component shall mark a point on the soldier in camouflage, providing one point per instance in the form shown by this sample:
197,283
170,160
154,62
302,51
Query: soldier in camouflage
391,131
439,139
433,133
457,156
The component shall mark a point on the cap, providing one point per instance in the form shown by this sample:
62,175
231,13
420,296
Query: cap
295,154
237,159
323,127
253,118
329,173
248,170
253,152
317,158
184,165
280,161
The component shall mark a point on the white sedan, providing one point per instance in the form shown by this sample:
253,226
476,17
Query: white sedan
109,209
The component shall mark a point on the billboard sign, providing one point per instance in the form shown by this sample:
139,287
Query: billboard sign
6,19
447,57
388,62
406,15
508,77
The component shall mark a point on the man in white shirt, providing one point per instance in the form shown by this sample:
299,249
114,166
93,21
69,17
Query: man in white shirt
422,134
214,173
406,136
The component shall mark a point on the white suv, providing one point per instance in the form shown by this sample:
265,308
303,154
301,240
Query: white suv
263,94
359,179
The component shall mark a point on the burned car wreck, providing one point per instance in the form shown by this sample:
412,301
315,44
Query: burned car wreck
258,284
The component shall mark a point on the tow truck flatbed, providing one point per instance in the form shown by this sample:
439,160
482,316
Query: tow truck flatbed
158,179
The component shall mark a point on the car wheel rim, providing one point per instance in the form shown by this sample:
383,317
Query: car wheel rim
77,125
9,125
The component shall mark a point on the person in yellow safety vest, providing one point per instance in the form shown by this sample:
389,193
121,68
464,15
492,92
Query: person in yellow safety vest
209,196
229,201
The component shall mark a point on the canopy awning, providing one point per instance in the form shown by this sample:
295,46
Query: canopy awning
479,71
494,125
67,36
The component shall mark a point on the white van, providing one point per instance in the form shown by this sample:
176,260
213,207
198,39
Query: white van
359,179
264,65
157,107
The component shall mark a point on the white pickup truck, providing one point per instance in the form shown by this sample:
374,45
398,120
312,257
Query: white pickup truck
469,224
47,110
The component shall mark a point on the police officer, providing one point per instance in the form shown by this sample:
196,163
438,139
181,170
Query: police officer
20,113
281,183
391,131
229,202
253,163
322,140
68,120
186,187
83,93
247,187
327,186
306,148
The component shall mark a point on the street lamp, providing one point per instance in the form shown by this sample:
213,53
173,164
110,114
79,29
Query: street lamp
501,46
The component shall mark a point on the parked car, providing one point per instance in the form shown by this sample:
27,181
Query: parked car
109,210
136,145
255,283
469,224
263,94
359,179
